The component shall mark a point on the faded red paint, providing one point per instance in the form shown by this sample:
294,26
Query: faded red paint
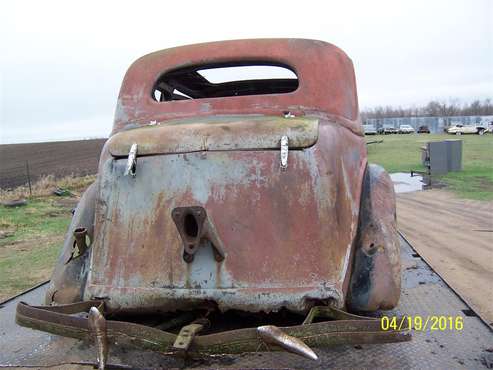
326,82
285,231
289,236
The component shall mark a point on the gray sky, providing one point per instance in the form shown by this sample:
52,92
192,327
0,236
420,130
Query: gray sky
61,63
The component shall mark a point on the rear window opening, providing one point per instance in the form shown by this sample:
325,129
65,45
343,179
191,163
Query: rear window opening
225,80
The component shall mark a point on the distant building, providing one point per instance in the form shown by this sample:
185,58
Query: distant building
435,124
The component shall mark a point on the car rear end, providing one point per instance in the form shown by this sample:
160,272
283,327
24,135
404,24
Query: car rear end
211,214
389,129
406,129
240,194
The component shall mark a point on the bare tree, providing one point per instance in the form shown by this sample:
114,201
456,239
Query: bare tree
434,108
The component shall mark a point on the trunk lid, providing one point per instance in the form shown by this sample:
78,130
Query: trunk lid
216,134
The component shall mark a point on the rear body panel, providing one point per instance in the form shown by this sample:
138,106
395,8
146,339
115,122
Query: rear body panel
287,235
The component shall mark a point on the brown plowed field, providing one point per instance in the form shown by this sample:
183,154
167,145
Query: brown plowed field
54,158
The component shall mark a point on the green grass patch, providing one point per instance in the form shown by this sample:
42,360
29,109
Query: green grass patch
39,218
22,269
30,244
402,153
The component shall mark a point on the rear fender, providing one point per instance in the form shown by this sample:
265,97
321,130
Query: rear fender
70,274
376,274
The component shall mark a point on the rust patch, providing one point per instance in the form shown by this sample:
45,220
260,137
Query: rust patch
311,59
270,238
376,281
264,224
202,134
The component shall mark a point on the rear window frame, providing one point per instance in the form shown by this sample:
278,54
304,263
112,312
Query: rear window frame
225,64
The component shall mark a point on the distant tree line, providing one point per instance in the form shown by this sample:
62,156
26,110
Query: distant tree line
433,109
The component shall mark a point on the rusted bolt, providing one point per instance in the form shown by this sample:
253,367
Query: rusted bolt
188,258
80,235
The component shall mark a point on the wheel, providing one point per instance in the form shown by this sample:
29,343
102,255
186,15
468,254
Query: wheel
458,133
480,132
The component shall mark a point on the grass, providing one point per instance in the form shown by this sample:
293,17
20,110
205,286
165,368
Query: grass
31,236
45,186
38,219
402,153
21,269
31,241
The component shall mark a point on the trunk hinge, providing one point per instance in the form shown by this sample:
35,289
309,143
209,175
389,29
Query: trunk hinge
132,161
284,152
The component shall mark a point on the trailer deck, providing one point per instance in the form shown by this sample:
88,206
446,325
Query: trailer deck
424,294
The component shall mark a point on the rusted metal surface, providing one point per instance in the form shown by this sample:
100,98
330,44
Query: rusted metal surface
197,230
69,320
185,337
216,133
70,274
22,346
276,180
376,278
267,219
80,235
326,82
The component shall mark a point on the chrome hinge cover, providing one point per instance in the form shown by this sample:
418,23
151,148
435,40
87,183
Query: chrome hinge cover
132,161
284,152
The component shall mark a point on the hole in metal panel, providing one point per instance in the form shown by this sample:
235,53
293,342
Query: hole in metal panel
191,226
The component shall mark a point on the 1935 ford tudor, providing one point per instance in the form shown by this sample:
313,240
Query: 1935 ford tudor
232,194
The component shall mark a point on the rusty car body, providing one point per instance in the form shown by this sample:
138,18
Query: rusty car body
243,195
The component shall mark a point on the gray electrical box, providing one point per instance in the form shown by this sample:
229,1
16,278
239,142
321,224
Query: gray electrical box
440,157
438,162
454,155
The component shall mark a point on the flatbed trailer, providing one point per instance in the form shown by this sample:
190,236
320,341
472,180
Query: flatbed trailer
424,295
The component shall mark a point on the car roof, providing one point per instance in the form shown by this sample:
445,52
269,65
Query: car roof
325,73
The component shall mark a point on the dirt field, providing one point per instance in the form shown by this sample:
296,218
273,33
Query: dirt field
54,158
455,236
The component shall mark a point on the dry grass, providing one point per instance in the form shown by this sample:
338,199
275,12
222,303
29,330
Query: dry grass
47,184
31,236
27,263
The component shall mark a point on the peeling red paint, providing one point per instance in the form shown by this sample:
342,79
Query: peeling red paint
289,236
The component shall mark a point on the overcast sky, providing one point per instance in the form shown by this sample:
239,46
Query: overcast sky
62,62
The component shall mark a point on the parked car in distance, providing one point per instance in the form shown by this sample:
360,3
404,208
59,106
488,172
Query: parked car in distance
406,129
487,124
459,129
387,129
423,130
369,129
